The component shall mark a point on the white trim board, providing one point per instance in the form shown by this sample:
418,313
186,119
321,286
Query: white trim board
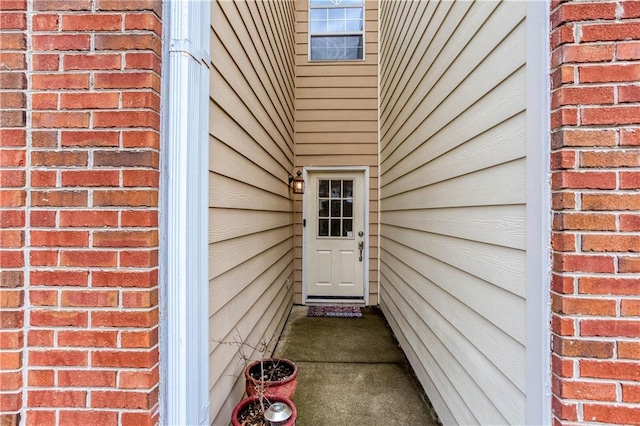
365,170
538,387
184,214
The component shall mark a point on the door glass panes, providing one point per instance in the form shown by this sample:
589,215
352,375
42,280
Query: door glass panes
335,208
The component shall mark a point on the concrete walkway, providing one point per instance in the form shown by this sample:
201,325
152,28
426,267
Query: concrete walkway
351,372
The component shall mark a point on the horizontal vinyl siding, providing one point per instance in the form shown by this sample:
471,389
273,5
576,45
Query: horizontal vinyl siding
250,214
336,122
452,201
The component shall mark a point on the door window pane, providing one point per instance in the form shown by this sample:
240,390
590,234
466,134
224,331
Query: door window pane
335,208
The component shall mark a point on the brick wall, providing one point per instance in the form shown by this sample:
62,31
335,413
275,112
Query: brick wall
86,229
13,83
595,181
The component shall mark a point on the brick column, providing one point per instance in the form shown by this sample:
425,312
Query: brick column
13,104
596,202
92,323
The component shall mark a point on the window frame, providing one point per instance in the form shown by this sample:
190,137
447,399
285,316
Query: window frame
337,34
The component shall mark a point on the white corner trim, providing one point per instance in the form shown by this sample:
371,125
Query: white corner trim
184,214
538,357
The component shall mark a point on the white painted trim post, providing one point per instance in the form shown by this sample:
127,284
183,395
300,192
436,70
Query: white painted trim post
538,357
365,171
184,347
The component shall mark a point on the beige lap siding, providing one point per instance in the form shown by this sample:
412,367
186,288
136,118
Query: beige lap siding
596,177
91,343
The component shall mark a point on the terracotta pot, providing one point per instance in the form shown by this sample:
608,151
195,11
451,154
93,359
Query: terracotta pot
285,387
255,399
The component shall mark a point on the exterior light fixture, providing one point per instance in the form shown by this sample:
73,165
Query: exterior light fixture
297,183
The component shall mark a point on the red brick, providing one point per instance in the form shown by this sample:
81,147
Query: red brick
143,21
611,243
584,180
615,115
40,338
133,418
143,61
11,360
562,284
583,12
610,32
73,418
91,298
630,308
125,239
561,367
627,264
42,218
126,159
55,357
128,42
630,393
125,279
88,258
44,22
50,318
566,116
562,326
61,42
48,398
583,263
582,95
91,22
12,119
43,179
630,180
13,100
46,62
150,139
128,80
562,35
604,159
11,298
630,9
11,218
14,5
59,278
59,158
142,259
563,242
630,137
139,339
13,178
10,381
609,328
89,218
13,61
608,73
583,138
12,158
44,101
619,286
628,51
610,370
122,119
141,100
603,202
11,137
13,21
88,338
13,41
140,299
13,80
59,238
59,198
45,139
131,198
41,378
102,100
588,390
60,120
629,350
124,319
92,62
12,339
62,5
138,379
11,259
611,414
40,417
120,399
91,178
43,297
628,94
90,138
43,258
12,319
124,359
582,348
91,378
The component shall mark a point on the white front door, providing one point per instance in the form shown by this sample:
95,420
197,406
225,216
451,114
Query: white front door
335,234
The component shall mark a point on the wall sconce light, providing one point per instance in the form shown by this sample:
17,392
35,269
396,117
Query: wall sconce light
297,183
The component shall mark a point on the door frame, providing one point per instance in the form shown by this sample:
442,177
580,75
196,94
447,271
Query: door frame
305,202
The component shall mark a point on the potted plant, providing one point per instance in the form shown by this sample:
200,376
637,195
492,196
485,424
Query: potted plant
275,376
264,410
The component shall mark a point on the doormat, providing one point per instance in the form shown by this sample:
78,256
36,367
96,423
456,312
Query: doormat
335,311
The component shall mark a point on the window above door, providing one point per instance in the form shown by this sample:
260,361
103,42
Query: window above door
336,30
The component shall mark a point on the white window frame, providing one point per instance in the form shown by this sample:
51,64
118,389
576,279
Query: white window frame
345,33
